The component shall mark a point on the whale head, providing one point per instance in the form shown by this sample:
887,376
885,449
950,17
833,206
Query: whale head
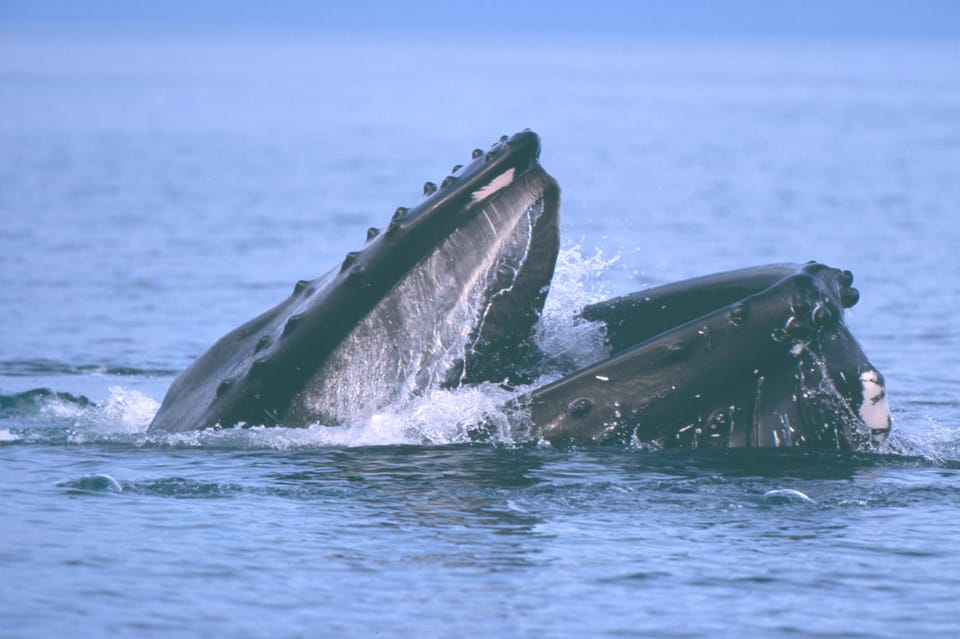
446,293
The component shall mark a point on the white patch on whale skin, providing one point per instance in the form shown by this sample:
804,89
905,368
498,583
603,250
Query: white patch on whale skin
498,183
874,411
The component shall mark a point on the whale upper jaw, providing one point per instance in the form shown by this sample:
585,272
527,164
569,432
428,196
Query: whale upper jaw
449,290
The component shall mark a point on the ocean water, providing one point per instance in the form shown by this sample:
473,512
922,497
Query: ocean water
156,192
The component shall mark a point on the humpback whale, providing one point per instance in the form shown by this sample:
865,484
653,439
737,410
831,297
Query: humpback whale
450,292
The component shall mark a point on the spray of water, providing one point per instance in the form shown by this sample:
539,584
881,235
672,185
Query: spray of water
567,341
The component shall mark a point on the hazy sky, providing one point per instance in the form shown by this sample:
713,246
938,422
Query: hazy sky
902,19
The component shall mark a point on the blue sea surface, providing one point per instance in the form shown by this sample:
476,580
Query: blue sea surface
157,191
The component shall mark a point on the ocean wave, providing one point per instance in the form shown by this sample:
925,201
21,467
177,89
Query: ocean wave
38,367
41,400
43,414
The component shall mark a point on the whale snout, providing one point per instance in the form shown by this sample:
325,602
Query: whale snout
875,410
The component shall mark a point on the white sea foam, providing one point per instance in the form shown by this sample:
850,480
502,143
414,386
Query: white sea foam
936,442
125,412
130,410
434,418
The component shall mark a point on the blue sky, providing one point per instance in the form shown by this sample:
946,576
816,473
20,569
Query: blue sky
901,19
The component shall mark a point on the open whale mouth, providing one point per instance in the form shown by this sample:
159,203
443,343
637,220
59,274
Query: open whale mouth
448,293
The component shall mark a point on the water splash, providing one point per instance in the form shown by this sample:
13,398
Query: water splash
45,415
567,341
938,443
125,412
